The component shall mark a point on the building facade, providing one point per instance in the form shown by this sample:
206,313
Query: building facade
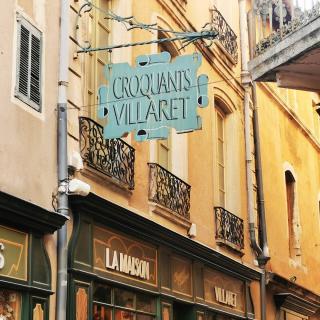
171,228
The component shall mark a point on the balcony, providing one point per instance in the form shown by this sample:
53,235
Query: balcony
229,229
226,36
113,158
287,38
169,191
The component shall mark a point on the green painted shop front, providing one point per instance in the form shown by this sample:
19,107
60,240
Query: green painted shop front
125,267
25,271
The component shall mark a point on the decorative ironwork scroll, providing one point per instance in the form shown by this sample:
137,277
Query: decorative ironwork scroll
169,191
130,23
229,227
226,35
113,157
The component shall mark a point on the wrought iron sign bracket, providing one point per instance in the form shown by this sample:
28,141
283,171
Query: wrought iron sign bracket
208,32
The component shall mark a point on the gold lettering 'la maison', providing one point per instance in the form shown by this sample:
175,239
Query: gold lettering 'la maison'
226,297
124,263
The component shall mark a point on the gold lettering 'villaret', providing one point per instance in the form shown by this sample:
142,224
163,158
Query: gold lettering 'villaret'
124,263
226,297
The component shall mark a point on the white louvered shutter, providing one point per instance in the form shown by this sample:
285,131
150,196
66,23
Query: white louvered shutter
28,86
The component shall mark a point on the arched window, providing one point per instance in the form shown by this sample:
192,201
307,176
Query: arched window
290,193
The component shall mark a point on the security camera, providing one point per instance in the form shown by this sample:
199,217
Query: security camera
79,187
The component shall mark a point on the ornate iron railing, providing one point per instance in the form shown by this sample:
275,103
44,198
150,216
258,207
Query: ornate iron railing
276,19
226,35
229,228
113,157
169,191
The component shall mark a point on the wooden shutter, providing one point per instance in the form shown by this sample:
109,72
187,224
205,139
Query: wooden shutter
28,86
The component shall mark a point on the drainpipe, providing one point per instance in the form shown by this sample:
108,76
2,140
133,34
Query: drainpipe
262,253
61,290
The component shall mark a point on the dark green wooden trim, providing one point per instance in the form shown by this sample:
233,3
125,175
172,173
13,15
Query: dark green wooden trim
27,216
119,218
38,257
12,284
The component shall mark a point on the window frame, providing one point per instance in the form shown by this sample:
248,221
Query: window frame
220,113
33,31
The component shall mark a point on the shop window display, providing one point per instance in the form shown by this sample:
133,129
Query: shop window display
10,305
119,304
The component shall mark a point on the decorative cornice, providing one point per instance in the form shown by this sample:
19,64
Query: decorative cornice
291,296
28,216
292,302
135,225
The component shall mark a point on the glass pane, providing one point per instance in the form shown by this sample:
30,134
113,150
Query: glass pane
163,157
123,298
144,317
145,303
10,305
101,312
221,177
220,127
222,199
102,293
220,152
124,315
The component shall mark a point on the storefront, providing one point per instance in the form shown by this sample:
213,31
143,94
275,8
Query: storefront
123,266
25,271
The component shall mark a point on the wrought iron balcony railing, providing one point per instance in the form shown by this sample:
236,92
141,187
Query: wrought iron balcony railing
114,157
169,191
229,228
226,35
276,19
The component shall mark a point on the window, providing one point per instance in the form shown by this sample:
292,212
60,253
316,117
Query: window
28,80
99,33
221,156
123,304
290,185
10,305
164,146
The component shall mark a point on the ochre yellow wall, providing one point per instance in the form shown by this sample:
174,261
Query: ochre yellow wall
288,136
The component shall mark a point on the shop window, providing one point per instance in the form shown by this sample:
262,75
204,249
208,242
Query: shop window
119,304
28,79
10,305
290,315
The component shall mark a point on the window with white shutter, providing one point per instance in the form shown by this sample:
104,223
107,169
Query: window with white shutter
28,77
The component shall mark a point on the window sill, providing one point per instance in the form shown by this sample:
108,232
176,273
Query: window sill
105,180
170,215
230,246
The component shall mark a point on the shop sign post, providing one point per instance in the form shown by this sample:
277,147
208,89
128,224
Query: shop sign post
152,97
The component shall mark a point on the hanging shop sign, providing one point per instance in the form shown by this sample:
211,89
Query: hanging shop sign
13,253
152,97
122,256
222,289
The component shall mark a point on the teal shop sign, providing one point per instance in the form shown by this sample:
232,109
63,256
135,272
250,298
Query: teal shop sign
153,96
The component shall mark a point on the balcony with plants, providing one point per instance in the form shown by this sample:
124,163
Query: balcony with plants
285,37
